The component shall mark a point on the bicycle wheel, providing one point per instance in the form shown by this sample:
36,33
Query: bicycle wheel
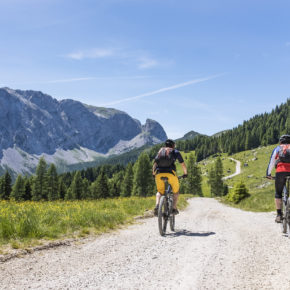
162,216
284,221
171,217
287,218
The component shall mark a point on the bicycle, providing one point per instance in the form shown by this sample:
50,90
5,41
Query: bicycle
286,207
165,208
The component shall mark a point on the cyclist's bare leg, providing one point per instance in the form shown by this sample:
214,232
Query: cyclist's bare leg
278,202
175,199
158,196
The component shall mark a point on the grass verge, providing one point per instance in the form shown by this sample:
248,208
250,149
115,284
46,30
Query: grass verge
23,223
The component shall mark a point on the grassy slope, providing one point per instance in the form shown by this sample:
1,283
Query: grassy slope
260,189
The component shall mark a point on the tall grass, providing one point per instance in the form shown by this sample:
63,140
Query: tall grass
52,220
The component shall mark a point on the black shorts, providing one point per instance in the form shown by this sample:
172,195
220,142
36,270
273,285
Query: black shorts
280,182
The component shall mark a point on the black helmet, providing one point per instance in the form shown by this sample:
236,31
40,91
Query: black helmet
285,139
169,143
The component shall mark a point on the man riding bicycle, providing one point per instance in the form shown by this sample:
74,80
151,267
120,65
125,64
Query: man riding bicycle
280,158
164,166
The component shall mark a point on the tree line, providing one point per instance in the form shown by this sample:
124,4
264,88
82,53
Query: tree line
264,129
106,181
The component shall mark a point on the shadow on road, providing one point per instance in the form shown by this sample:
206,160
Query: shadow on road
178,233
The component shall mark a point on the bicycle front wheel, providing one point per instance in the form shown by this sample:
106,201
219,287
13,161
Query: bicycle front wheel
285,217
162,216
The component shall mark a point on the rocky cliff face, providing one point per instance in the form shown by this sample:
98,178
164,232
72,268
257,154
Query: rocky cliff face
36,123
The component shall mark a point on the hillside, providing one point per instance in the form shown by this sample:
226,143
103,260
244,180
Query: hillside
253,170
261,130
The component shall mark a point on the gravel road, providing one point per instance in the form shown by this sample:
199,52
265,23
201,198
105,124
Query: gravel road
214,247
238,169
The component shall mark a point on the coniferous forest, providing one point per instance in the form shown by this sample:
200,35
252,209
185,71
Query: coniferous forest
135,178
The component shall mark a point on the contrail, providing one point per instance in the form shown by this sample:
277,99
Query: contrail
195,81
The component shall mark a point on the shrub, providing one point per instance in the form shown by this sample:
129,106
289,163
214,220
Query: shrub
239,193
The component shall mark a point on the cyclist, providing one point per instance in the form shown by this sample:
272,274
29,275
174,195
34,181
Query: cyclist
164,167
280,159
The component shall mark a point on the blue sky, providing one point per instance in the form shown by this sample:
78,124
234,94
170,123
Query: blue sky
191,65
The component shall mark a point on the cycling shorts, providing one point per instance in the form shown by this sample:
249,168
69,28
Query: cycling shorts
280,182
172,180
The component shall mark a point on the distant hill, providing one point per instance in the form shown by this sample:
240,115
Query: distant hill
189,135
261,130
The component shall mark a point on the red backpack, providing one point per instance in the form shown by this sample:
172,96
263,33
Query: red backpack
165,157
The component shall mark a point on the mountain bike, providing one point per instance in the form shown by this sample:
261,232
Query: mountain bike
165,213
286,208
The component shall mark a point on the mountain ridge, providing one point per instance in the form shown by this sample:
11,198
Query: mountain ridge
33,123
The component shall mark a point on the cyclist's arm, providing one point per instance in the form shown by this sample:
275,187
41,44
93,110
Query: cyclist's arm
154,168
272,161
184,168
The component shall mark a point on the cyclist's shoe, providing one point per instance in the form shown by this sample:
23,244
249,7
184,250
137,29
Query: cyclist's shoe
175,211
156,210
279,218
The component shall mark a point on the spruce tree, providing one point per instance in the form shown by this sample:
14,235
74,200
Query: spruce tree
100,188
5,186
39,188
28,189
18,189
194,177
215,178
77,186
61,188
115,184
143,183
127,184
86,194
52,183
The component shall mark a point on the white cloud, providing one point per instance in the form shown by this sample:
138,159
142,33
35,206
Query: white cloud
174,87
91,54
141,59
146,62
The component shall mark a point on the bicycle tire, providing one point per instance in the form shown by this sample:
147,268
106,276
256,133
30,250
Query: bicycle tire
285,217
162,216
171,217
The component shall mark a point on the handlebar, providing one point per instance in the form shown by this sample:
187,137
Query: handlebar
182,176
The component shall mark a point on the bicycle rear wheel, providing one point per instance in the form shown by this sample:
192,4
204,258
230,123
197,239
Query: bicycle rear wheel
171,217
162,216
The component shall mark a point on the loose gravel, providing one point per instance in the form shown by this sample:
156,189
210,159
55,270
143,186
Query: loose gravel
214,247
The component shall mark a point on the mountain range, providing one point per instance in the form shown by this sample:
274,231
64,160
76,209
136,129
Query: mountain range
33,124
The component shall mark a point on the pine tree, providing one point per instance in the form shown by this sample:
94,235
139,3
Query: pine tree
39,188
215,178
77,186
100,188
52,183
28,189
127,184
194,178
143,182
115,184
18,190
86,189
5,186
61,188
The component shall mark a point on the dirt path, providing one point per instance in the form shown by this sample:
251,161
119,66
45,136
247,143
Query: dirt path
238,169
214,247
